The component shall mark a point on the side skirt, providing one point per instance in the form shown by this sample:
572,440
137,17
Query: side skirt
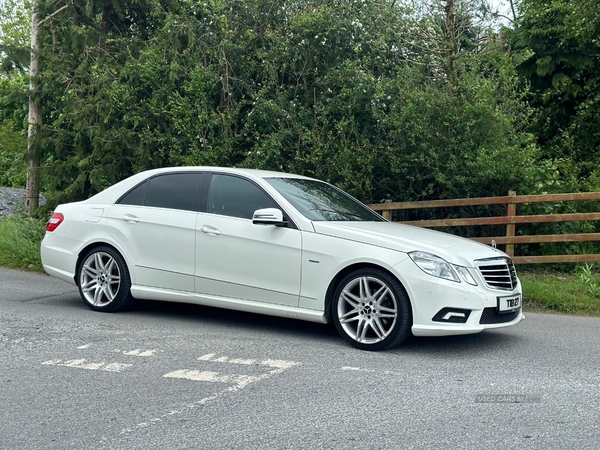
271,309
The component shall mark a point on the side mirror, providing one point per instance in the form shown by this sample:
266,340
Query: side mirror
269,216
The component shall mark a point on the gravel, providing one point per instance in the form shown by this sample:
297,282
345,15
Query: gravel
13,200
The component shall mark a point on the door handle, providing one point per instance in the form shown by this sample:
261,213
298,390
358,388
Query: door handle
130,218
209,230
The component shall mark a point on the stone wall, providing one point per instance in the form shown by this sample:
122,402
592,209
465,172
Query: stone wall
12,200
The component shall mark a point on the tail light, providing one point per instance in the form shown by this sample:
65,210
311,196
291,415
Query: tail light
54,221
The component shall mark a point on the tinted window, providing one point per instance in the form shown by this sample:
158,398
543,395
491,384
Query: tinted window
236,197
135,196
174,191
322,201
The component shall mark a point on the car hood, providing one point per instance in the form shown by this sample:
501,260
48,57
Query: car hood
406,238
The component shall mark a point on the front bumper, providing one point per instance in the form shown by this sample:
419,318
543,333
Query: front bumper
430,295
439,329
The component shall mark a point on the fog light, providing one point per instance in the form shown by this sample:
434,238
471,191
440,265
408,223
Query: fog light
453,315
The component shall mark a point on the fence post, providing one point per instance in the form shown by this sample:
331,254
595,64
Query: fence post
510,226
387,213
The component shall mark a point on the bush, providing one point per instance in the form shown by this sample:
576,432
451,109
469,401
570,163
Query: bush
20,239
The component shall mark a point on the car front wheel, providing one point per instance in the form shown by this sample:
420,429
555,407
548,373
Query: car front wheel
371,310
104,280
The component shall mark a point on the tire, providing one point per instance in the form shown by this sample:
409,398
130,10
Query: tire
371,310
104,281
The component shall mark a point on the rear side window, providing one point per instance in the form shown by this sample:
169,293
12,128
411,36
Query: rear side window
173,191
135,196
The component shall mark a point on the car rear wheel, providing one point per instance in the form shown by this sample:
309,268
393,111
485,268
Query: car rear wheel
104,281
371,310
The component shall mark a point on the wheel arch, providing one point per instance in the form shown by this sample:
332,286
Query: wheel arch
351,268
92,245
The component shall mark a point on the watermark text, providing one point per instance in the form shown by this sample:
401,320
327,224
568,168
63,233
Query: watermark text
508,398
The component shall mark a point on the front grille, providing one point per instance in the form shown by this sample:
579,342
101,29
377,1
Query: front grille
498,273
491,316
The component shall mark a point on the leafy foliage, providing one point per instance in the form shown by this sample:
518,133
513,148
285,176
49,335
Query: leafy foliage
14,37
13,141
317,88
14,58
556,45
395,101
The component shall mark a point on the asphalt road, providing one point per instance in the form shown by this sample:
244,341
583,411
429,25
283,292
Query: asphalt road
175,376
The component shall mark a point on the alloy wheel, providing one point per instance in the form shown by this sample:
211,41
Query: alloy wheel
367,310
100,279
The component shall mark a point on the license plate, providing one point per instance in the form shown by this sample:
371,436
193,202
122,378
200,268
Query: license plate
509,304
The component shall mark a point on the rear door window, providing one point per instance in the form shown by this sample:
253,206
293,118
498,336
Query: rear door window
173,191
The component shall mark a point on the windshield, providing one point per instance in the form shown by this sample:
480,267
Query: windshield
321,201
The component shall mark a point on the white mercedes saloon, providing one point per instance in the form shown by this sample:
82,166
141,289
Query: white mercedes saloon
279,244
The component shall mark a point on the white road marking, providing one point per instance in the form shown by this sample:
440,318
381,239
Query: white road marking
213,377
138,352
81,347
248,362
279,364
239,382
81,364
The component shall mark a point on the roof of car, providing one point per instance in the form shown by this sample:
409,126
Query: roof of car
255,172
116,190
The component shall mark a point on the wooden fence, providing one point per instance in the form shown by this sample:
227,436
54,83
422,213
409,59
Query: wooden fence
511,220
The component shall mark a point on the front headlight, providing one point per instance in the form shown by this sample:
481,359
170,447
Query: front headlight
434,266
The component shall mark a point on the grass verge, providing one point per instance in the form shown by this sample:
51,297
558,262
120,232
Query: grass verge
560,292
20,239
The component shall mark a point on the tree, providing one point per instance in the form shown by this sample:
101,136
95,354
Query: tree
367,95
14,56
34,119
13,51
14,38
83,48
555,44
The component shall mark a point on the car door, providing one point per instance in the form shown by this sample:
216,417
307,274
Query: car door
156,224
240,260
